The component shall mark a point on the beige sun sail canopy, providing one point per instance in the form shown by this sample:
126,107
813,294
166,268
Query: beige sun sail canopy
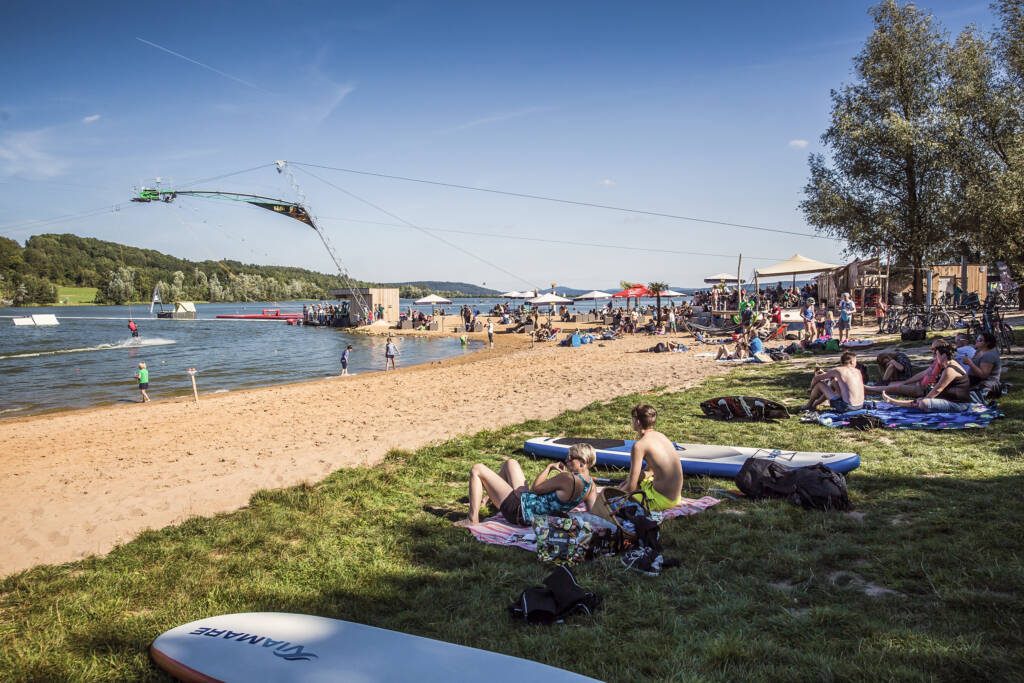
794,265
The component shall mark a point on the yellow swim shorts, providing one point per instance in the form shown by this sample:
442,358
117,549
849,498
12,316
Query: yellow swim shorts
656,500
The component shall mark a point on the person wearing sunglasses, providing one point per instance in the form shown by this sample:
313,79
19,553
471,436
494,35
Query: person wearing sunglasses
559,488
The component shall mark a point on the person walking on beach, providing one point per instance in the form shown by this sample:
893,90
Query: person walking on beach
846,310
490,333
808,316
345,355
142,374
390,351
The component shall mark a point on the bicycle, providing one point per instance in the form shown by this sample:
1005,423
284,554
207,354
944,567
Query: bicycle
934,318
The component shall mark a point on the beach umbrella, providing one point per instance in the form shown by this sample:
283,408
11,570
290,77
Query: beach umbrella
634,292
669,293
512,295
594,294
721,277
549,298
433,299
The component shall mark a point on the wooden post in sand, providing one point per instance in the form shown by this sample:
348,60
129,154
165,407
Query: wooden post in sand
195,389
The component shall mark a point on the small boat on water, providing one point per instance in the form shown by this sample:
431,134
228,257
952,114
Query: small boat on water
267,314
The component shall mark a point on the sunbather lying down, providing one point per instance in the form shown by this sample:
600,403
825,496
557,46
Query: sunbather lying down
662,347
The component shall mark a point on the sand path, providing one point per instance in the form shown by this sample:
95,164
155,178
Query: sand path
80,482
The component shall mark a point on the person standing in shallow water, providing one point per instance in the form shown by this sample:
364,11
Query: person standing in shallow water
345,355
142,374
390,352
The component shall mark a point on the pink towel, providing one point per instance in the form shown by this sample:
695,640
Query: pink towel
497,531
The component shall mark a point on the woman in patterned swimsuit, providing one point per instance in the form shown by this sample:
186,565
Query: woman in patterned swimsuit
570,485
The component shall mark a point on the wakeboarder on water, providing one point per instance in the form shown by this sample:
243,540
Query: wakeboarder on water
133,327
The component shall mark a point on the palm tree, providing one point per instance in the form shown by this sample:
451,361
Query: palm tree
657,288
626,284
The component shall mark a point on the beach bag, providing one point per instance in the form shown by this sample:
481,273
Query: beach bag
832,345
559,598
612,504
813,488
562,540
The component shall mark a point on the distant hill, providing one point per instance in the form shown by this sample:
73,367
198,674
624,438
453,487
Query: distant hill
449,290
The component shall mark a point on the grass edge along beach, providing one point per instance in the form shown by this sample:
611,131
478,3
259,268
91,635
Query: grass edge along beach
923,580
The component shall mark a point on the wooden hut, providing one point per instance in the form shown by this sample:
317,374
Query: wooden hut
374,298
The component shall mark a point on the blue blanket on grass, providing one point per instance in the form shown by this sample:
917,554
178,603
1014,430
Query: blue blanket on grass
896,417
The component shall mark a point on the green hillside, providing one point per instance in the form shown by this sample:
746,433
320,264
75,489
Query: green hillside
49,264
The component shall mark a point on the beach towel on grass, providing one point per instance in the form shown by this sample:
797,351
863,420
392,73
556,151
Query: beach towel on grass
897,417
497,531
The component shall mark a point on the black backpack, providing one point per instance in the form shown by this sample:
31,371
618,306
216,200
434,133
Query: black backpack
813,488
558,598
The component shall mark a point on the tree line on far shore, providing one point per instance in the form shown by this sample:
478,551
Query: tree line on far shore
120,273
925,151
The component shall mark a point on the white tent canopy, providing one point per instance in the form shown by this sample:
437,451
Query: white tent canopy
433,299
550,299
720,277
794,265
671,293
593,294
512,295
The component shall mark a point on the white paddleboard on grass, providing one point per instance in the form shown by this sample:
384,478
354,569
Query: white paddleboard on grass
275,646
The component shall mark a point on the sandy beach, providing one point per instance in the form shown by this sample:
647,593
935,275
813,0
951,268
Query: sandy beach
79,482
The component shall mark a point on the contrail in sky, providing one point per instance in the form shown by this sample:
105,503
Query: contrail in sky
205,66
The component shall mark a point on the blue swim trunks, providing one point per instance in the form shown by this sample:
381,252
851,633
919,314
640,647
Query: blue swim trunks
841,406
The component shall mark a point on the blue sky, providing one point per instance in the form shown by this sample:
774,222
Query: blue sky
696,109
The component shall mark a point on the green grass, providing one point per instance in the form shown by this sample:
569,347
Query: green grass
765,591
75,295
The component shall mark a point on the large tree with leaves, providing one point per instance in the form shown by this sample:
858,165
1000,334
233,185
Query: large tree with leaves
886,184
985,101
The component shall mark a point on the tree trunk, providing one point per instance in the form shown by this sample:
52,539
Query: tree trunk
918,290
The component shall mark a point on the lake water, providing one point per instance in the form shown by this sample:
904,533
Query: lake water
90,358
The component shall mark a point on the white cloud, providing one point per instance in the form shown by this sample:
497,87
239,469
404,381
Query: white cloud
24,154
607,182
798,144
91,118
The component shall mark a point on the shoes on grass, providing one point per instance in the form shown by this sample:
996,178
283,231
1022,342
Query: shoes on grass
644,561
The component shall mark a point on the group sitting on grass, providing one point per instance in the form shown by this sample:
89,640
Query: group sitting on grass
562,486
957,377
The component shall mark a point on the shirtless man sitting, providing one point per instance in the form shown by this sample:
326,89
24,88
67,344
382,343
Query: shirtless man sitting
663,481
842,386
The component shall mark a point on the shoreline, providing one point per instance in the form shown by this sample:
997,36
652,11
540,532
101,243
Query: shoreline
78,482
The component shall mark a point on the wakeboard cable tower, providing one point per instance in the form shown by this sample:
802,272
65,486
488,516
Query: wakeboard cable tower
294,210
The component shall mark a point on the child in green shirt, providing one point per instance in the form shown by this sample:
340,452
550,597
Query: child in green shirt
143,376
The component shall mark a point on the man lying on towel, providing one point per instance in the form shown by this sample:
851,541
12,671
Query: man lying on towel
663,481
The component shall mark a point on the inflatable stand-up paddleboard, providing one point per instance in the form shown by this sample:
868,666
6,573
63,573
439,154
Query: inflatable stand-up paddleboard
273,647
713,461
744,408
